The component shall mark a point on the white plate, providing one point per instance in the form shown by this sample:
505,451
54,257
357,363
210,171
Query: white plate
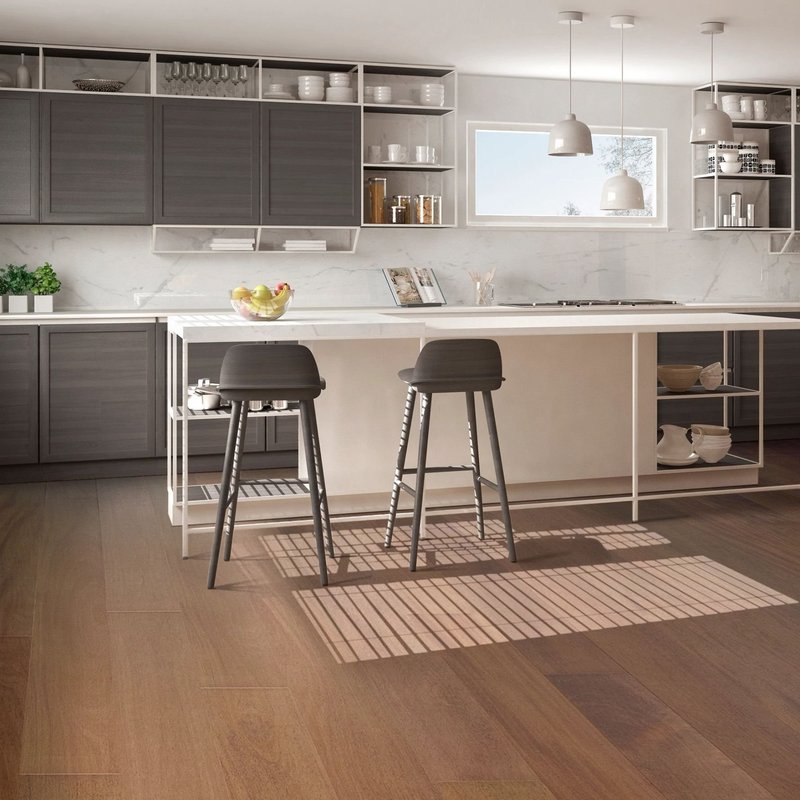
677,462
278,96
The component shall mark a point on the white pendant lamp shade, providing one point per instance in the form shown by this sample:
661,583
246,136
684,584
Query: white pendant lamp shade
621,192
711,125
570,137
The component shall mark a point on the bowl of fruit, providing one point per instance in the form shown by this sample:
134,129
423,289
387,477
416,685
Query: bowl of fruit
262,304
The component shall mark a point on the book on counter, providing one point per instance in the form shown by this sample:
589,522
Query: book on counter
414,286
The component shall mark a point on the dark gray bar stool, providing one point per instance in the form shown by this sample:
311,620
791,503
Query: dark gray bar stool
453,365
270,372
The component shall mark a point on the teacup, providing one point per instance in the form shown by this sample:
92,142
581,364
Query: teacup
396,152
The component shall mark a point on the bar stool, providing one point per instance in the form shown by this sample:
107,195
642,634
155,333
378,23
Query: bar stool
452,365
273,372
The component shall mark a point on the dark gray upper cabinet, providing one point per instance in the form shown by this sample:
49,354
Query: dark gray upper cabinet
97,156
207,162
19,157
310,158
19,400
97,396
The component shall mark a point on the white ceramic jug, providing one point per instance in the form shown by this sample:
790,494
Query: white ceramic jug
674,445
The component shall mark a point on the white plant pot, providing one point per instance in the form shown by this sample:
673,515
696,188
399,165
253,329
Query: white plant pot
43,303
18,304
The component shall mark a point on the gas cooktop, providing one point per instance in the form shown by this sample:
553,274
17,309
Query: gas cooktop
580,303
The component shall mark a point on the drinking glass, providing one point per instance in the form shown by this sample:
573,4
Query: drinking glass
185,78
191,73
224,74
176,75
215,76
167,78
235,80
207,77
243,76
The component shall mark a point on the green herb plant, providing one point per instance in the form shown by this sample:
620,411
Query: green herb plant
45,280
18,280
3,283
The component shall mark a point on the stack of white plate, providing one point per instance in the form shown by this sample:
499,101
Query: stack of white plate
711,442
231,244
311,87
305,245
431,94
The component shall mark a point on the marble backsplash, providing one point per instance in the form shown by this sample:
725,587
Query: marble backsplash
113,268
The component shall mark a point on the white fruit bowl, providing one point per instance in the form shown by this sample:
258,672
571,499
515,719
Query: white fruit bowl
248,311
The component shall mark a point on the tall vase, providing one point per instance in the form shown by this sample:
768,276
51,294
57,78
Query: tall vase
23,74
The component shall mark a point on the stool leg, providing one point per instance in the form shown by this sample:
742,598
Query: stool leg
323,494
224,491
425,424
411,397
238,452
499,476
313,487
476,463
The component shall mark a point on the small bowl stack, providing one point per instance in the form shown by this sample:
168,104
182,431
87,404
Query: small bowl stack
711,376
382,94
339,90
711,442
679,377
311,87
431,94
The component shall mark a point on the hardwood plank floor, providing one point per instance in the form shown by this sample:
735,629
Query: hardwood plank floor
70,710
624,665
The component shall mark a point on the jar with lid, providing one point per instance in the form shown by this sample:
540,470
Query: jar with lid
404,200
396,215
427,209
748,155
768,166
376,188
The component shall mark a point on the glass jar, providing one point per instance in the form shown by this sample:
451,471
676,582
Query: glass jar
404,200
397,215
376,188
427,209
768,166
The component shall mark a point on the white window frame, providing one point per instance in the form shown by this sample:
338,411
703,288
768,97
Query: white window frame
659,222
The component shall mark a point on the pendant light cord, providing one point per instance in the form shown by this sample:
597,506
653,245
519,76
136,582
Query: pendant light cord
571,22
622,96
713,87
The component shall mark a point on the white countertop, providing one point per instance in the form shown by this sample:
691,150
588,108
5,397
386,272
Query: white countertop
360,324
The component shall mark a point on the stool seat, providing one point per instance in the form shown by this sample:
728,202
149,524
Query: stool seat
269,372
451,365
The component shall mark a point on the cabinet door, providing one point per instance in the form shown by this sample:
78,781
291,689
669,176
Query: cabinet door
97,159
781,377
282,433
19,157
19,399
97,392
310,159
207,162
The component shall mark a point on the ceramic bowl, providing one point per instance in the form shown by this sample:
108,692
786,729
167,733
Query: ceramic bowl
339,94
339,79
731,167
679,377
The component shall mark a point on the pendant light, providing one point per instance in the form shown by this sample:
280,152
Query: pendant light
570,137
711,125
621,192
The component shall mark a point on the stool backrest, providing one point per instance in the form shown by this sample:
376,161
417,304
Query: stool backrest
453,359
251,367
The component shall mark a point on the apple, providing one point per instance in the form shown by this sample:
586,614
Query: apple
281,286
261,292
240,293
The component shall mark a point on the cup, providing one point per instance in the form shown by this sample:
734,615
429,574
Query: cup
424,154
374,154
256,405
746,106
369,94
279,405
382,94
759,109
397,153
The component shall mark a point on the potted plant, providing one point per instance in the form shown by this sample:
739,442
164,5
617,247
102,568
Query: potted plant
3,290
18,285
45,284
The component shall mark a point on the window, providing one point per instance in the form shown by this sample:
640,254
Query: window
512,181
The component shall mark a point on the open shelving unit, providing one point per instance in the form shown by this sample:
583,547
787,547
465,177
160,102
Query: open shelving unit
772,195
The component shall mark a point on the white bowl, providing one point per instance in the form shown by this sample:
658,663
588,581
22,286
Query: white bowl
310,79
339,79
731,167
339,94
311,94
711,380
436,87
431,101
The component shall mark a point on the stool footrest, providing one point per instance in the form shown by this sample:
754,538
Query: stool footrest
487,482
454,468
406,488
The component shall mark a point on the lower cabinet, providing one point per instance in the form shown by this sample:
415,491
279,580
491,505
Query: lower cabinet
19,400
97,392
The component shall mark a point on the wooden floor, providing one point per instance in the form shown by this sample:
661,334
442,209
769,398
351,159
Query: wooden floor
611,662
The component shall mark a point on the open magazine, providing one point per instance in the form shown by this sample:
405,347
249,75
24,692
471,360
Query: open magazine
413,286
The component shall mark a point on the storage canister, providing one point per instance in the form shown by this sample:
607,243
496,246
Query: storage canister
376,187
748,155
428,209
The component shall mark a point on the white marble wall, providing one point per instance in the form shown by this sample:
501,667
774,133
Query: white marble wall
112,267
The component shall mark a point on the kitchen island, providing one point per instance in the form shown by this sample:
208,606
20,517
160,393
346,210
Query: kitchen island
576,416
